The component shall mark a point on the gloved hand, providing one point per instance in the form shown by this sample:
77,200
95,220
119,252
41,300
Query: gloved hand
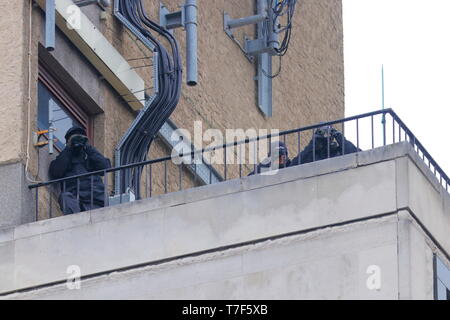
77,141
88,149
334,133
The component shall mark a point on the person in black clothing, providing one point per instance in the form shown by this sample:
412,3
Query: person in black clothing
278,158
329,143
77,158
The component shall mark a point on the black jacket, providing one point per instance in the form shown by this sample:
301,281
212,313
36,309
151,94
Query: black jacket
68,164
342,146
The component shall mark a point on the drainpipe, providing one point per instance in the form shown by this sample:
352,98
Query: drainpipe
50,24
191,10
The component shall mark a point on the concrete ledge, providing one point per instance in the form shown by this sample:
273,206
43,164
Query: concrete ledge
256,276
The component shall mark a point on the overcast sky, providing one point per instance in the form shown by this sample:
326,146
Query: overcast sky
412,39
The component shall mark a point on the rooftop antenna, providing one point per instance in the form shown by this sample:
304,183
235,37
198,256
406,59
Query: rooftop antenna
382,86
383,121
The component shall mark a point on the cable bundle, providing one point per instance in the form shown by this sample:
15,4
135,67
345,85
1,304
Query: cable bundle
280,9
136,145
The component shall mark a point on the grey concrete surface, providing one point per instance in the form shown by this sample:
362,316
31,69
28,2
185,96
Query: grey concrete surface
237,213
16,201
317,265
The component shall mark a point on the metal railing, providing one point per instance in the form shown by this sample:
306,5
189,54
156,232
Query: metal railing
367,131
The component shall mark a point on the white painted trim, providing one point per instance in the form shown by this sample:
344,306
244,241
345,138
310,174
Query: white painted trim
99,51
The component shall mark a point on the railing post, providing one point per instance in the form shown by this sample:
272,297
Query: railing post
165,177
225,160
106,200
357,133
37,204
373,138
92,192
50,202
314,146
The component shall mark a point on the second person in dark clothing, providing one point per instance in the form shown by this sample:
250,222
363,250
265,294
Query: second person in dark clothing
278,158
327,142
79,158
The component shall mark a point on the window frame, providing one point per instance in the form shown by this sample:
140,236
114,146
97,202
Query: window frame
439,282
51,83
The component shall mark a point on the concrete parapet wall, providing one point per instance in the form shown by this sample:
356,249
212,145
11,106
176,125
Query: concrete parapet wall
319,197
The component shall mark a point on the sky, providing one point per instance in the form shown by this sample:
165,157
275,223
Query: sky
411,38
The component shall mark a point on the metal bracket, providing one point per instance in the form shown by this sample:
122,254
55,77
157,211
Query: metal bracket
185,18
261,49
171,20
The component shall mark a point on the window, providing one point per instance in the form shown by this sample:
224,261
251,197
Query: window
56,108
442,280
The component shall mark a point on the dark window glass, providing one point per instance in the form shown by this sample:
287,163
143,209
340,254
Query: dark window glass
51,111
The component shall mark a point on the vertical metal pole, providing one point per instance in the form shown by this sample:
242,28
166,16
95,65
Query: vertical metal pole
191,41
343,138
165,176
181,177
195,172
240,161
106,202
50,24
37,204
383,121
51,137
151,181
393,130
78,189
373,138
314,146
137,175
92,191
210,164
225,162
357,133
299,148
120,173
328,146
272,39
255,158
270,144
63,200
146,182
264,61
50,202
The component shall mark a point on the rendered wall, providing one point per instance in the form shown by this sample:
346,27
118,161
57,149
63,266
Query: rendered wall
310,88
13,79
329,221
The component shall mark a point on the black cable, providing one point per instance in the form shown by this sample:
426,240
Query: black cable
280,9
156,112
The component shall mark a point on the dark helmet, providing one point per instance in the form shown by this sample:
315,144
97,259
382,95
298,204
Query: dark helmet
324,131
74,130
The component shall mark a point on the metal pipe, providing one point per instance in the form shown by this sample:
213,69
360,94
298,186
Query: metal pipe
191,42
240,22
50,24
273,38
